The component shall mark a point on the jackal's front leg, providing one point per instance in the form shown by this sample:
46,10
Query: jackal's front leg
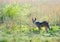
39,29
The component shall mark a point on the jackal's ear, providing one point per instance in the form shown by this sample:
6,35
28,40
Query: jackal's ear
35,18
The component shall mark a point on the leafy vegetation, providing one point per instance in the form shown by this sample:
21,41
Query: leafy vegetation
16,26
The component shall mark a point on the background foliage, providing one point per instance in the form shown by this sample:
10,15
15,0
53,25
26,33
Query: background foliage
16,24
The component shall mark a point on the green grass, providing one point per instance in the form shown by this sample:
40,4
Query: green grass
24,35
12,30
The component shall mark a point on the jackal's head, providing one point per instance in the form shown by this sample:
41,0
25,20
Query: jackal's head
34,20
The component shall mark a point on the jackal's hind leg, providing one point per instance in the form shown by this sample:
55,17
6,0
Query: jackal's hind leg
46,28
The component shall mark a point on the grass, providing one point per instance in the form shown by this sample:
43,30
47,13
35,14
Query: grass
12,30
24,35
